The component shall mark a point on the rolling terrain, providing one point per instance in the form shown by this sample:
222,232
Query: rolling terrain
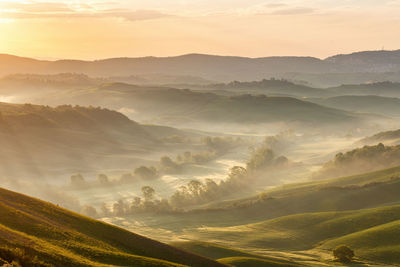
218,68
47,235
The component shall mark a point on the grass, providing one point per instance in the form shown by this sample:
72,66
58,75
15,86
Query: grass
253,262
374,234
380,243
219,252
59,237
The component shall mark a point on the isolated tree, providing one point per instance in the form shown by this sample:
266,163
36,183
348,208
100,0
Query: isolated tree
148,193
103,179
343,254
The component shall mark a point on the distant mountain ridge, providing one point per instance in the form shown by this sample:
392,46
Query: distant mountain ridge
220,68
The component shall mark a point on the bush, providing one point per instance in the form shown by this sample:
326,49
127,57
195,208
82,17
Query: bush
343,254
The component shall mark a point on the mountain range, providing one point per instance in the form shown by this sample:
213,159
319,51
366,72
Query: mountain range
219,68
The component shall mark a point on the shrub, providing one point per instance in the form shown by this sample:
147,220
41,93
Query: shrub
343,254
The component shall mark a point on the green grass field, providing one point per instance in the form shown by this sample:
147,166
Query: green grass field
39,233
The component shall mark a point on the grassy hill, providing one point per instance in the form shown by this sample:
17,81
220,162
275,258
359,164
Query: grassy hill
360,160
178,106
384,89
44,234
272,87
43,138
232,256
372,233
384,137
253,262
334,197
387,106
304,231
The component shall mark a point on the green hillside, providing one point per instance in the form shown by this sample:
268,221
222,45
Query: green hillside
253,262
231,256
372,233
380,243
36,232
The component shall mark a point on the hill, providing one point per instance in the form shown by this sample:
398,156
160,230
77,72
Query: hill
272,86
219,68
50,236
330,195
51,143
372,233
384,89
386,137
232,256
173,106
360,160
387,106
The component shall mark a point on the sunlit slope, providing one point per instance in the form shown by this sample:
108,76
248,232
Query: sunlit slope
369,190
380,243
373,233
253,262
61,238
347,193
231,256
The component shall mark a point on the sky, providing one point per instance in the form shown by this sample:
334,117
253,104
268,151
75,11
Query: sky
96,29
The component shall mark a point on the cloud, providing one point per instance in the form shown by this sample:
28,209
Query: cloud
45,10
294,11
136,15
36,7
275,5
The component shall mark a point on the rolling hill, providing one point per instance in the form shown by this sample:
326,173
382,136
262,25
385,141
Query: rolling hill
386,137
43,142
173,106
384,89
41,234
372,233
219,68
272,87
387,106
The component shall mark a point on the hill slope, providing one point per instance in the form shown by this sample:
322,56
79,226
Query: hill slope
387,106
42,138
57,237
372,233
220,68
183,106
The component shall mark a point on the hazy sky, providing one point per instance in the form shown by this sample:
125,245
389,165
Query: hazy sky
255,28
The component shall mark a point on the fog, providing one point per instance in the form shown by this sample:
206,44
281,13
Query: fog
143,156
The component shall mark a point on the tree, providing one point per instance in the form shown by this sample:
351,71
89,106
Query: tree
148,193
146,173
104,210
77,180
89,211
103,179
343,254
262,158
